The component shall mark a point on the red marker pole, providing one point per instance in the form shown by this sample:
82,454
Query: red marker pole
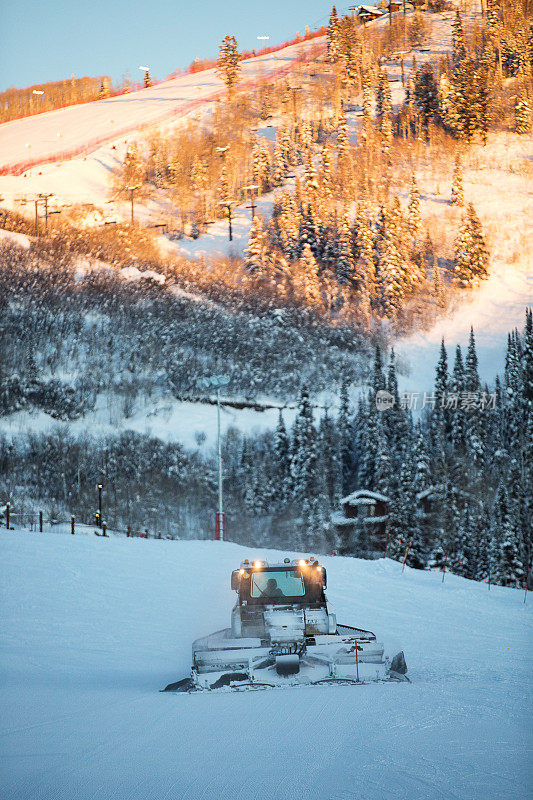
444,567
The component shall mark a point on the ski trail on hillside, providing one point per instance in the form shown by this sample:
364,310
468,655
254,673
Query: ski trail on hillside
494,309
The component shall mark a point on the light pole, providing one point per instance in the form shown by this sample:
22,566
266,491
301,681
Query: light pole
218,382
35,93
99,505
147,80
131,190
251,189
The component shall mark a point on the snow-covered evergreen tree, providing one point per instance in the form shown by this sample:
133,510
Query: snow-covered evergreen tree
458,38
471,253
255,252
333,37
415,219
228,67
304,451
457,184
523,113
283,462
426,94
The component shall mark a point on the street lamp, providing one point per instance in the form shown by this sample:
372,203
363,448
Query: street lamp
35,93
218,382
147,81
99,523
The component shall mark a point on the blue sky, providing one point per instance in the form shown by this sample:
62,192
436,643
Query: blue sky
44,40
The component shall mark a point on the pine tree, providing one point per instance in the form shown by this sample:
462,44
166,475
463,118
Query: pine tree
457,184
458,38
342,134
223,185
228,67
330,460
327,171
426,95
410,520
470,101
383,466
378,378
422,469
474,437
279,164
333,36
282,454
415,220
133,170
365,246
309,280
384,106
255,252
471,254
509,570
527,366
522,114
457,387
344,261
367,107
345,426
440,414
303,451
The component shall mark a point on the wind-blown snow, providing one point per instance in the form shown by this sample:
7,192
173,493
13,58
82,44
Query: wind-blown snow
92,628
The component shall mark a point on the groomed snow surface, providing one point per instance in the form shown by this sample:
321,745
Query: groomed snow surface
92,628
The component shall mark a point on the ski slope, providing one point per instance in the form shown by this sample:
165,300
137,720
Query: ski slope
56,135
91,628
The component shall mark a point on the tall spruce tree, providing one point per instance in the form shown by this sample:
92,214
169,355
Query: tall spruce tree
457,183
415,219
333,37
228,67
471,253
304,451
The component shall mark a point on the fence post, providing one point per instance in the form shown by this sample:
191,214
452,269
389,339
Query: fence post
40,521
104,528
489,574
8,509
128,531
356,662
72,525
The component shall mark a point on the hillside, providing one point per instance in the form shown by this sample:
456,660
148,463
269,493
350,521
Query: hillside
91,628
313,232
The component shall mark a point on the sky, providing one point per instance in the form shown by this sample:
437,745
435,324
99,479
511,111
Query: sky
44,40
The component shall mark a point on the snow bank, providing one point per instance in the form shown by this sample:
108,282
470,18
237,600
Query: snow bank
19,239
91,628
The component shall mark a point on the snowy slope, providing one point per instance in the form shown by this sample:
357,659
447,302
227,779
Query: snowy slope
498,181
92,628
66,130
